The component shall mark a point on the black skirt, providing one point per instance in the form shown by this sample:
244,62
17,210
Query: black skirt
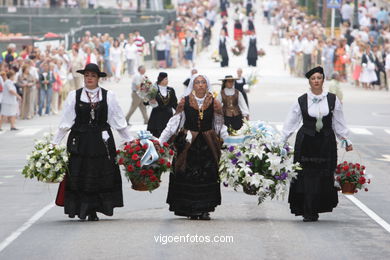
197,189
94,183
313,191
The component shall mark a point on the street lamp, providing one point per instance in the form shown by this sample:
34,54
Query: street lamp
356,14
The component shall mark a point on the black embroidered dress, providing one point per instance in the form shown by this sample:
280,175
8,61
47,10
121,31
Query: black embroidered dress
161,114
194,186
313,191
94,182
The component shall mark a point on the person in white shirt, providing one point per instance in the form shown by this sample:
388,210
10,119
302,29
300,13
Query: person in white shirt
347,11
136,101
315,149
161,42
116,54
233,102
308,45
131,50
9,102
94,181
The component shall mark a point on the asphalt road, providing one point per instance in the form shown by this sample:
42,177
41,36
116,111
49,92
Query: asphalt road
267,231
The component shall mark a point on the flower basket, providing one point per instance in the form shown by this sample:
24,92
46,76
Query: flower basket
249,189
348,188
141,185
260,163
238,49
261,53
351,177
47,162
216,57
144,161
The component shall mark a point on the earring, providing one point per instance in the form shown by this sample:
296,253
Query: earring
193,92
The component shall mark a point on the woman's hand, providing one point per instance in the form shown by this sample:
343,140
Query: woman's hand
349,148
153,101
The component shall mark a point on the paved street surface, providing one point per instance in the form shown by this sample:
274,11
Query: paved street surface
32,228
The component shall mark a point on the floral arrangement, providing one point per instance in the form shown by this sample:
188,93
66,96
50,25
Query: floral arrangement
147,90
253,79
145,160
47,162
238,49
216,57
351,177
260,163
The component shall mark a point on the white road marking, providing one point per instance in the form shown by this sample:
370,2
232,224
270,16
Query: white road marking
360,131
369,212
1,182
6,242
386,158
2,132
8,176
28,132
387,131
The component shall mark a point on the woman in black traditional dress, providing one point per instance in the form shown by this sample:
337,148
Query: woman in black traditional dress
313,191
222,48
252,50
234,107
94,181
251,25
194,188
239,85
163,105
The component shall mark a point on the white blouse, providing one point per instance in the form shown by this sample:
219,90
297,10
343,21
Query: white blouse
317,107
241,101
177,122
163,90
115,117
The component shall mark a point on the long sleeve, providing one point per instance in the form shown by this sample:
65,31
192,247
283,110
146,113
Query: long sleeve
338,123
242,104
116,118
67,118
219,127
292,122
176,122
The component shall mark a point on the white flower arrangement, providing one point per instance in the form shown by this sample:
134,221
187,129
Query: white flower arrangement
261,164
253,80
47,162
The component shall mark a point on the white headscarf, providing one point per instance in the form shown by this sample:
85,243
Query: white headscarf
191,84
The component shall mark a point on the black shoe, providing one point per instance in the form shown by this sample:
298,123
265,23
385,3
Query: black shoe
14,129
93,217
193,217
205,216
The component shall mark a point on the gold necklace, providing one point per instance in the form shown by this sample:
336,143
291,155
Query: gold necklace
165,100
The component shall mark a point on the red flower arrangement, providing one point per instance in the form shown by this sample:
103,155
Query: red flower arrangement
146,177
351,177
